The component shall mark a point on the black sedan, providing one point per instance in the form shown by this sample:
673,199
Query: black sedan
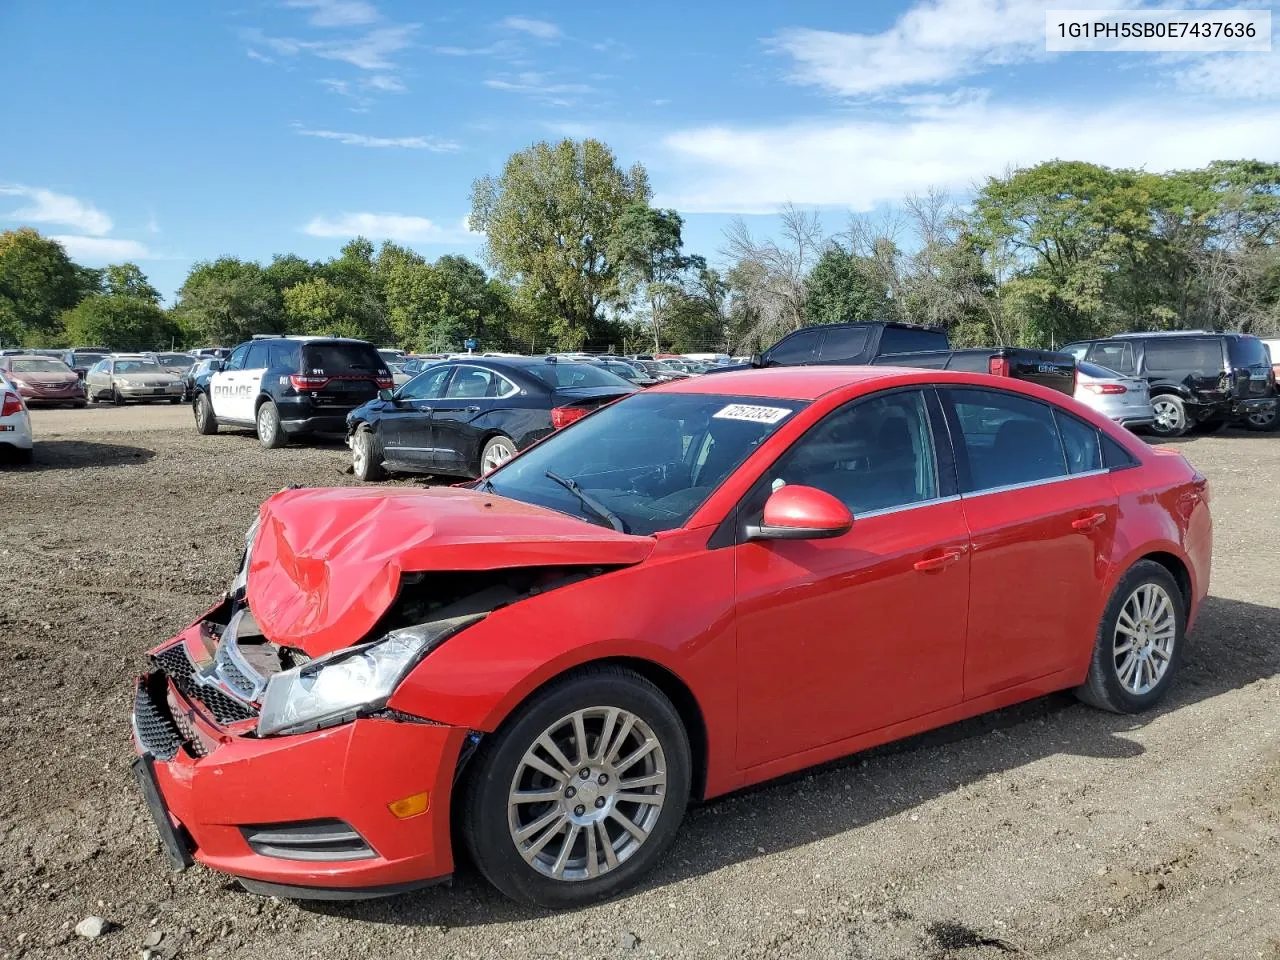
467,416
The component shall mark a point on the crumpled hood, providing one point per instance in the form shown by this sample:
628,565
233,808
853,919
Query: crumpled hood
326,563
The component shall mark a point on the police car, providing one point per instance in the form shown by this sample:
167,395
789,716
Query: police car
289,387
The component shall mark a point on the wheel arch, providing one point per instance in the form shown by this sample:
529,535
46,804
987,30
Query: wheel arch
1178,569
672,686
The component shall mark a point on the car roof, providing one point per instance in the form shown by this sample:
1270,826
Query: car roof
810,383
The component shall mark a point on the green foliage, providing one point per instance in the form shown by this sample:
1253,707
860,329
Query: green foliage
549,219
38,282
227,300
120,321
841,289
127,280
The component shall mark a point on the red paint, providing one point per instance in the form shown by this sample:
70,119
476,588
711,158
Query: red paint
807,508
794,651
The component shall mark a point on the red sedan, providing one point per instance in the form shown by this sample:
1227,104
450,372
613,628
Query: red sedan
700,587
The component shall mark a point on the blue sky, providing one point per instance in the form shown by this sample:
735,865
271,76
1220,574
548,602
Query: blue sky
166,132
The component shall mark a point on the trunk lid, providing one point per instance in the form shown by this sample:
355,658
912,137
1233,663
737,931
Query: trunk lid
326,563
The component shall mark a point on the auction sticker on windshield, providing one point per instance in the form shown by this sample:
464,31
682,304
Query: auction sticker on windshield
751,413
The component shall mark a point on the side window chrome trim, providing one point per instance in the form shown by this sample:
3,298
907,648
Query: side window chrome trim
1033,483
885,511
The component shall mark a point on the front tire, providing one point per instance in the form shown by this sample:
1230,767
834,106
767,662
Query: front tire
270,434
206,422
117,397
545,834
1171,418
366,457
1138,648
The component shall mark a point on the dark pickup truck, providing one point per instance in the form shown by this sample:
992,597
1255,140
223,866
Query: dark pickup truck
907,345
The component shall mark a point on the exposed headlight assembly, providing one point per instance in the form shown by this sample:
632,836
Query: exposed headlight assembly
349,683
242,578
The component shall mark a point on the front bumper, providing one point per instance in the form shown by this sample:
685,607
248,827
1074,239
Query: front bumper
150,393
223,787
35,397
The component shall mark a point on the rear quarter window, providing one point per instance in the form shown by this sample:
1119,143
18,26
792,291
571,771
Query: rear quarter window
1248,352
897,340
1180,356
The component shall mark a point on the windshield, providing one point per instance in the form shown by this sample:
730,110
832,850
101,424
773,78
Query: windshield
650,459
138,366
87,360
38,365
564,374
176,360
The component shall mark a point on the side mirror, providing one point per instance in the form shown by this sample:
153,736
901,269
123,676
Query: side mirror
756,360
801,513
216,366
386,395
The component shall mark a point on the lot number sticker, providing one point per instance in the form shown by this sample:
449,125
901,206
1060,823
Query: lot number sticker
751,413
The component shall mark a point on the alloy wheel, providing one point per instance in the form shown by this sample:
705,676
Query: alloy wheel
1263,420
1144,637
496,453
587,793
266,421
1168,416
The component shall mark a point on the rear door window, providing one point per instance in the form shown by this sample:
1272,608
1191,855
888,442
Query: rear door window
843,343
1180,356
898,340
797,348
471,383
1114,356
257,359
1006,439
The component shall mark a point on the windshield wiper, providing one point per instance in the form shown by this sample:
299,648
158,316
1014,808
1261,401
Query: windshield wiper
588,501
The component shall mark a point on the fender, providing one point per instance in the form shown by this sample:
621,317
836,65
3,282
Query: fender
479,677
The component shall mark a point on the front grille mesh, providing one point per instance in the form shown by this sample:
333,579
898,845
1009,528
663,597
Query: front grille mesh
225,709
157,732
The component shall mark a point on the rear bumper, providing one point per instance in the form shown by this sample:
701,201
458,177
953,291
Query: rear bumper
214,804
335,423
1247,408
1134,422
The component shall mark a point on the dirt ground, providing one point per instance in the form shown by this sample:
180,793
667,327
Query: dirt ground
1046,830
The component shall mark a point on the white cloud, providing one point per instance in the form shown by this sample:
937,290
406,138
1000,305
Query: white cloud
253,54
337,13
386,226
361,140
934,41
46,206
859,163
540,29
539,86
103,249
1252,75
371,51
385,83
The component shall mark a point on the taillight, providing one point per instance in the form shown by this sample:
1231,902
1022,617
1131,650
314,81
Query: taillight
12,405
302,382
563,416
385,383
999,367
1106,387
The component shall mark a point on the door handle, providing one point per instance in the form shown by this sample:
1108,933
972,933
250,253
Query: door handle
473,409
1090,522
939,562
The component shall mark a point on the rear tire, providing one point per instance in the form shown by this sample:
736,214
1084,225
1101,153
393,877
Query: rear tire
206,422
1264,422
366,456
1171,418
544,873
497,451
23,455
1138,647
270,434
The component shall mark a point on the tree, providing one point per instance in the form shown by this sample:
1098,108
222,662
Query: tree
770,276
354,272
322,308
697,314
121,322
646,246
287,270
38,282
840,289
227,300
548,220
127,280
